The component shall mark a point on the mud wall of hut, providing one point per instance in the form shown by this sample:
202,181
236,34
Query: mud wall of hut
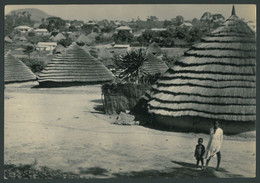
122,97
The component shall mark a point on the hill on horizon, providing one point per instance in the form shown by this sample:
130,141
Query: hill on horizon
36,14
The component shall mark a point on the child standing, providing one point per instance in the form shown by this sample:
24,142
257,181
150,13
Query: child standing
199,152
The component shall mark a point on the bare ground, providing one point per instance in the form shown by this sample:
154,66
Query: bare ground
60,128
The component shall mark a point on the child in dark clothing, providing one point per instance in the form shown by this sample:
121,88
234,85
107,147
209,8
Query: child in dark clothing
199,152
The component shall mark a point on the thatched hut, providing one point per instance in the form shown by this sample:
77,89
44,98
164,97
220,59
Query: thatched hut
153,65
59,49
16,71
58,37
214,80
83,39
154,49
106,57
74,67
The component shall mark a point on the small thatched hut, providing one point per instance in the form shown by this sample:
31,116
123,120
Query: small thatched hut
74,67
106,57
215,80
59,49
16,70
153,65
83,39
58,37
154,49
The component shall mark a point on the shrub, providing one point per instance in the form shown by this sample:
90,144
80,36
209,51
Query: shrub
35,65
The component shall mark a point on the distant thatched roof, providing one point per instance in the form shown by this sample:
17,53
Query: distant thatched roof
73,36
74,66
8,39
104,54
83,39
58,37
215,79
59,48
16,70
153,65
154,49
105,57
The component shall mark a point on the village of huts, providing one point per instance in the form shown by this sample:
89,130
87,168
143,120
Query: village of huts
117,98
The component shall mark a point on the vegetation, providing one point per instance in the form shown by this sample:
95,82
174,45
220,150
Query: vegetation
36,66
131,63
30,171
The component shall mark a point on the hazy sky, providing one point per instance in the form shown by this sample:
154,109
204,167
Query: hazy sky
127,12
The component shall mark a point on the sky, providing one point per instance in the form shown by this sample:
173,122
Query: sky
128,12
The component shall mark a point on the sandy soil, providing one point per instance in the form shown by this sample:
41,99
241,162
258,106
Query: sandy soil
60,128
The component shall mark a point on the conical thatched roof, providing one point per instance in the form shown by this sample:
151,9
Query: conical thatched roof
104,54
153,65
216,79
154,49
8,39
83,39
59,48
58,37
74,66
16,70
73,36
105,57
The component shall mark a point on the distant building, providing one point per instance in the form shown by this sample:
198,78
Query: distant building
41,32
122,46
91,23
158,29
186,24
124,28
23,29
46,46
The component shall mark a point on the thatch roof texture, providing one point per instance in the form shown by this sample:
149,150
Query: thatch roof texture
153,65
59,48
8,39
74,66
16,70
83,39
105,57
58,37
154,49
215,79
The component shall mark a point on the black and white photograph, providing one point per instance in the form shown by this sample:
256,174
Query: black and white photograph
101,91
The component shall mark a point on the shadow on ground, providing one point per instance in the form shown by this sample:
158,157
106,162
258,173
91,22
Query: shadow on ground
187,170
93,171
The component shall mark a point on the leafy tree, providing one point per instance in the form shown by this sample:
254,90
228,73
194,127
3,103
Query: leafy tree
43,26
55,23
72,28
31,34
65,42
179,20
87,29
123,37
132,63
28,50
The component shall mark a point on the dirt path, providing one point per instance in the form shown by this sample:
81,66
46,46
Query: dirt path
61,129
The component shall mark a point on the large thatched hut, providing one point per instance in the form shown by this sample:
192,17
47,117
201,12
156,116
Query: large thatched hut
214,80
74,66
16,71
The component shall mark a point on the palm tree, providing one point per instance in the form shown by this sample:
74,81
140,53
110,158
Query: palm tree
131,64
